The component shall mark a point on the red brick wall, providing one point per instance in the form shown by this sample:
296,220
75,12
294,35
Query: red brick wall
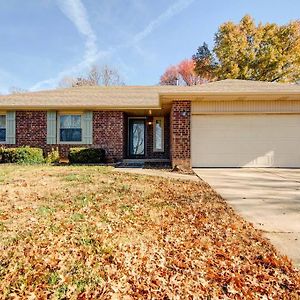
108,127
31,128
109,132
181,134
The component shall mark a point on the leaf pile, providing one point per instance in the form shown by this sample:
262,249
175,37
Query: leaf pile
90,233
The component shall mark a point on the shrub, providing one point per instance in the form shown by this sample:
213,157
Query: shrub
53,156
86,155
21,155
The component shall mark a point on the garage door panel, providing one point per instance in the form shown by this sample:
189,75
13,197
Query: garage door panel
246,140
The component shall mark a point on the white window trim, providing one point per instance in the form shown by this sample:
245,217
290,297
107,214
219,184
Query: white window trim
162,119
4,114
63,113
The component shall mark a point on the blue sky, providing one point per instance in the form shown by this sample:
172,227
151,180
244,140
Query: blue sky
45,40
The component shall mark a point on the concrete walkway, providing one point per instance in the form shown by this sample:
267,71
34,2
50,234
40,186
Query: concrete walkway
269,198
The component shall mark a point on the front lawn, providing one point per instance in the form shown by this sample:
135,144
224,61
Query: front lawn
89,232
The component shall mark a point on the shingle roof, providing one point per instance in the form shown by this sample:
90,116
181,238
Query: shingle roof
249,86
126,97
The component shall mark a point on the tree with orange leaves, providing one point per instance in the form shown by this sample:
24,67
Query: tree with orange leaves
181,74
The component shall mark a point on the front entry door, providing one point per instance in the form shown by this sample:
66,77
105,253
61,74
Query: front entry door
137,138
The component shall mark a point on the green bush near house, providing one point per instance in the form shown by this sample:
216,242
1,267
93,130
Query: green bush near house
86,155
22,155
53,156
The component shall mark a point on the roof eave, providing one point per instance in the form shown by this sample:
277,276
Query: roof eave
198,96
76,107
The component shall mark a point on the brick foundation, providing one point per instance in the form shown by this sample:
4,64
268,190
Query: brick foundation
181,134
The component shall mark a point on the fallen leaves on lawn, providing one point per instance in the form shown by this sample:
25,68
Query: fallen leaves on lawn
88,233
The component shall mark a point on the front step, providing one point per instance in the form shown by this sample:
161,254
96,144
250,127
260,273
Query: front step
146,160
130,165
144,163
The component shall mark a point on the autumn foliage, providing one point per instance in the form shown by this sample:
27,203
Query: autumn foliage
243,50
250,51
181,74
94,233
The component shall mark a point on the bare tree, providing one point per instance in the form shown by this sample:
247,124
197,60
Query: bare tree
110,76
80,81
104,75
94,75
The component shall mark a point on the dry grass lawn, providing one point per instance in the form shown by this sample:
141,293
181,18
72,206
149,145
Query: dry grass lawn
91,233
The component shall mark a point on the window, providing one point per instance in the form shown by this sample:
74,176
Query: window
70,129
158,134
2,128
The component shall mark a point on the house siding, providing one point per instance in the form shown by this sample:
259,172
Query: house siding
249,106
181,134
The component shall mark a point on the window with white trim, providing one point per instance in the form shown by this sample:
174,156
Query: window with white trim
158,134
2,128
70,128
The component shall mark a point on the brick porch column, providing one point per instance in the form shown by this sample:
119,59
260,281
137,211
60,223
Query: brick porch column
109,133
181,134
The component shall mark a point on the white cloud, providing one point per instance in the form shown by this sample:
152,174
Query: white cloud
76,12
173,10
52,82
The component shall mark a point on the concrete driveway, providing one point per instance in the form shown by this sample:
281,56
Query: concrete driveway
269,198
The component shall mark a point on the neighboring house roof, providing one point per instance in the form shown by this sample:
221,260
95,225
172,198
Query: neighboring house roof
147,97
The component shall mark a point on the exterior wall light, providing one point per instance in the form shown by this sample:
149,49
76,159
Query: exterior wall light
183,113
149,121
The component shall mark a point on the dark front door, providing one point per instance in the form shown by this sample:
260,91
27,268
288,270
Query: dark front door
137,138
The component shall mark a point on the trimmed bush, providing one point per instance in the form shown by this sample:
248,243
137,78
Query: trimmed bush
53,156
86,155
21,155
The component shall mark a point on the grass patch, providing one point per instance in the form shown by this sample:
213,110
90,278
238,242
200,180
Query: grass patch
45,210
2,226
77,217
53,278
83,200
80,178
104,235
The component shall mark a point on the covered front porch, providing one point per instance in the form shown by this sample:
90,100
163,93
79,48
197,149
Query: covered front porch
147,138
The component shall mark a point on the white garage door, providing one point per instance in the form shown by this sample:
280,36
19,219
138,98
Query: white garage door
245,140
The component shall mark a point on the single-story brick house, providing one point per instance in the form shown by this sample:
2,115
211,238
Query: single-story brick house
230,123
